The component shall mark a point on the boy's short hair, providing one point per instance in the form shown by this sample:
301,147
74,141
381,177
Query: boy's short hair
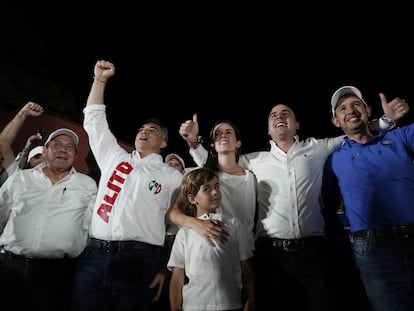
194,179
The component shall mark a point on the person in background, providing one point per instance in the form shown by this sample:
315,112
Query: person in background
8,163
219,278
290,245
32,142
118,269
44,219
175,161
375,174
35,157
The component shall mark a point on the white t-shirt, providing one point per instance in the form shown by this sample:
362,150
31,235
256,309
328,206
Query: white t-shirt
214,272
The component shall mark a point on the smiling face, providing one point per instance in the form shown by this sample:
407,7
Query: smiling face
208,197
351,115
282,123
60,153
225,139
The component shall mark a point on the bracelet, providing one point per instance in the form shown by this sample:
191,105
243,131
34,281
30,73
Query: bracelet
99,80
194,145
197,143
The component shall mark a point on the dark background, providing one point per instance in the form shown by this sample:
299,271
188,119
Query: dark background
232,62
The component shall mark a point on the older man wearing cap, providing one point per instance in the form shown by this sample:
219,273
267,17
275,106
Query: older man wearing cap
118,269
375,174
45,213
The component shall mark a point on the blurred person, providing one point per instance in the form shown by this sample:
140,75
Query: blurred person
119,268
219,278
44,215
375,174
32,142
175,161
8,163
35,157
290,246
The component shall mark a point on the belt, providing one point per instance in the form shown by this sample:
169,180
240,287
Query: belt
291,245
119,246
10,255
396,232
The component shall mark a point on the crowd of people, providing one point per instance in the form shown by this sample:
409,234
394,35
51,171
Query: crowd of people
237,232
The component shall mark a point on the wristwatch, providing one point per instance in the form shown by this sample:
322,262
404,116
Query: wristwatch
388,121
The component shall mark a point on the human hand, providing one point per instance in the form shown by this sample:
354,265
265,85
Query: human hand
395,109
103,70
32,140
189,130
158,280
211,230
32,109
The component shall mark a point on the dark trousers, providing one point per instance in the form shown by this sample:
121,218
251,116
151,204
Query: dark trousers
115,276
35,284
290,275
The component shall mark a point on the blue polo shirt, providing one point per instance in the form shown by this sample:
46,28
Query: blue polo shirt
377,179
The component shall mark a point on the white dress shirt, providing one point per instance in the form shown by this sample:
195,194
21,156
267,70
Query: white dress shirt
288,186
45,220
134,193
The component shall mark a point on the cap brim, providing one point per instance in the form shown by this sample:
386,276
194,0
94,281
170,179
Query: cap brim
34,152
348,89
64,131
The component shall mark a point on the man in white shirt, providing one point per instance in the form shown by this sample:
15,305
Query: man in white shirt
119,270
45,213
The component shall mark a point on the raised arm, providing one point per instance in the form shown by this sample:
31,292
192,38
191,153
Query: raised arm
189,131
396,108
103,70
10,131
31,142
393,111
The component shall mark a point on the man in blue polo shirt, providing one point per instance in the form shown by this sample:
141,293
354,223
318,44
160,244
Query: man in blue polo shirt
376,179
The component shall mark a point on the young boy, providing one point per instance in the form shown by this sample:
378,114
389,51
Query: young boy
220,277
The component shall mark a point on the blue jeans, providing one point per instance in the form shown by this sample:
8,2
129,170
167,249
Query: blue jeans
386,266
106,280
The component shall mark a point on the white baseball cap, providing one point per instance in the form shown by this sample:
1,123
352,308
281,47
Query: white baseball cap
174,155
64,131
342,91
35,151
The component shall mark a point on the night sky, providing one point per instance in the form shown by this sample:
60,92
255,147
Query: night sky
223,63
